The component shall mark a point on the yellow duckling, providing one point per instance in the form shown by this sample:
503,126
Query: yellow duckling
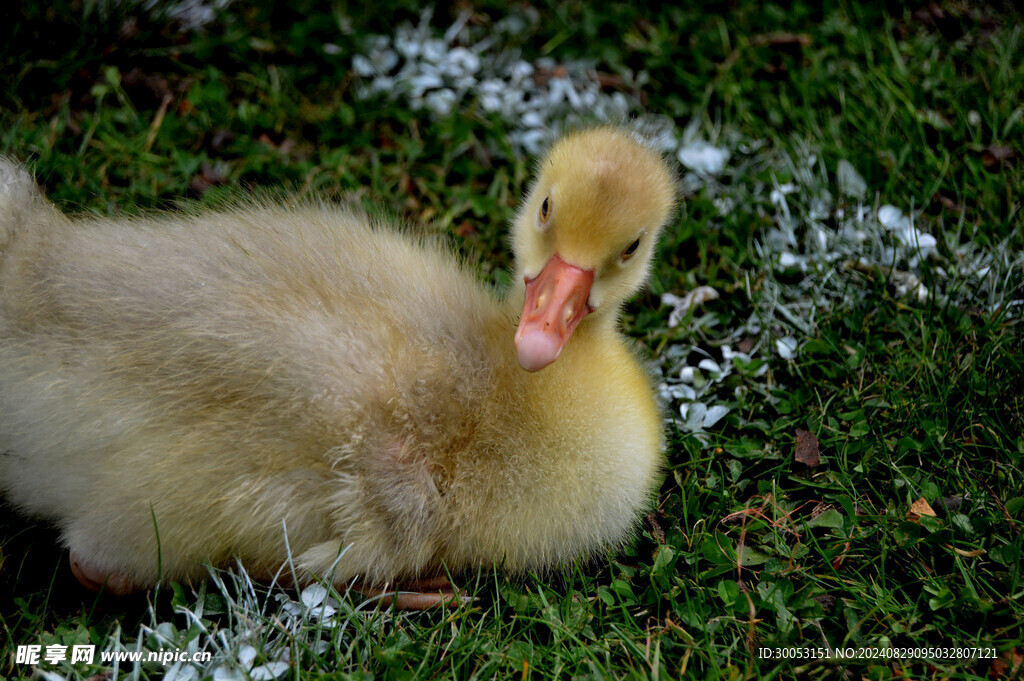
179,389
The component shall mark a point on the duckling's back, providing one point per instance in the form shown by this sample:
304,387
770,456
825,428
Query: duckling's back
206,383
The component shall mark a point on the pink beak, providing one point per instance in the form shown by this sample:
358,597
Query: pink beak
556,301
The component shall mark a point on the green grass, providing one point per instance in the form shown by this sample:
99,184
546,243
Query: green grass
747,548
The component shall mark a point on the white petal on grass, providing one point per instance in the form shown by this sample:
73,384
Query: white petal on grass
441,102
513,100
677,391
322,612
490,103
424,82
698,416
572,96
714,414
383,83
556,91
681,305
778,239
694,415
848,231
181,672
660,136
434,51
420,63
313,595
48,675
920,242
926,241
850,181
687,374
408,48
522,70
246,656
710,366
786,347
703,157
533,140
821,207
227,672
380,42
194,15
891,217
460,61
456,28
490,92
724,205
271,670
818,237
778,194
362,66
387,60
910,283
532,119
787,260
165,631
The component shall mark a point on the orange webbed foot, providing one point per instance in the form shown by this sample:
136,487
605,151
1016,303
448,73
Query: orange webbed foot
419,594
113,582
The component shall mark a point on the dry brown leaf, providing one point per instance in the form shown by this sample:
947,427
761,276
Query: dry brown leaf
838,561
609,81
953,503
969,554
920,508
783,39
1007,665
542,75
221,138
146,90
210,175
656,529
284,146
807,451
997,155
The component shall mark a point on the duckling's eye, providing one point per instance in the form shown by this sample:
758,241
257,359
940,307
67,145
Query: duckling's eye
630,250
545,209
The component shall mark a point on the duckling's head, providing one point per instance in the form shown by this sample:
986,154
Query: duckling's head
585,234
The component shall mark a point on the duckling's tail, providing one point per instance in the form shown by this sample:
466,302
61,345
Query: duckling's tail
19,197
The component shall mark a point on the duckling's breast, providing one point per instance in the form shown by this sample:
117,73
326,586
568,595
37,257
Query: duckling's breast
565,469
